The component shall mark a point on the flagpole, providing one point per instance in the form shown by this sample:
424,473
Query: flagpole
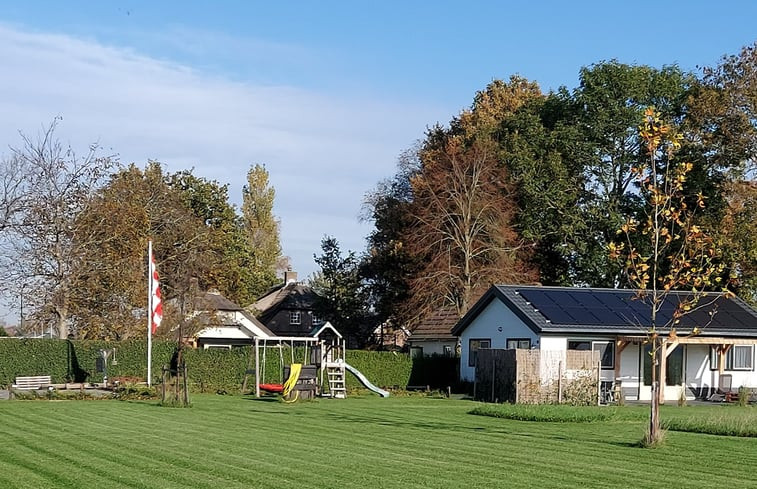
149,312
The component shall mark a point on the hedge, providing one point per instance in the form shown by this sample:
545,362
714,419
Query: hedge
209,370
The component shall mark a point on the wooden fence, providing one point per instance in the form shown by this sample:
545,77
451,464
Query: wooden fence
537,376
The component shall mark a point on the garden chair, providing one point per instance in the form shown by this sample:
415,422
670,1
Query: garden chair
724,392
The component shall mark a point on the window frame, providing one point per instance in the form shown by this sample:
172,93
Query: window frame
472,353
611,346
729,359
518,342
592,347
295,318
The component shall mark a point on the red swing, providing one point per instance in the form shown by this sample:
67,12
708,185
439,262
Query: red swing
274,388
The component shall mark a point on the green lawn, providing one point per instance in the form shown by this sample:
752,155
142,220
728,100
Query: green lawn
360,442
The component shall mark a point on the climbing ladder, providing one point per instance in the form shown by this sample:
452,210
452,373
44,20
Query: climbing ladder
335,374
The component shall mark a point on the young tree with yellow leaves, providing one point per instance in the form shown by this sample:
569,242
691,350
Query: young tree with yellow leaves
664,249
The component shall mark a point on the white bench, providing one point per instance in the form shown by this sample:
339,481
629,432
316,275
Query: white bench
31,383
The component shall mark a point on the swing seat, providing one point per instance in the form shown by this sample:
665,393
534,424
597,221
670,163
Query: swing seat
276,388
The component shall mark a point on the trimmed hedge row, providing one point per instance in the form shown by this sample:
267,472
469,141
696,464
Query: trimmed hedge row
209,370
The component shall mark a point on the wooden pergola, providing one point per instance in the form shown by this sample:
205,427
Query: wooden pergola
670,343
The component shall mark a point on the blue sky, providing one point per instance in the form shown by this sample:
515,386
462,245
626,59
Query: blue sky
326,94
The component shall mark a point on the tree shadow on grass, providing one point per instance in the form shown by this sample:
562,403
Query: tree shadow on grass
260,399
493,430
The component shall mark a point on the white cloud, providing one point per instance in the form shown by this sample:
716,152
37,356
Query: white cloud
323,152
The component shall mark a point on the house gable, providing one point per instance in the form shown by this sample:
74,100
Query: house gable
288,309
226,323
495,323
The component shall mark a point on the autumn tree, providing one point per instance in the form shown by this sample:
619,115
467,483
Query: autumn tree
401,261
262,229
665,249
721,122
49,240
463,212
133,207
736,234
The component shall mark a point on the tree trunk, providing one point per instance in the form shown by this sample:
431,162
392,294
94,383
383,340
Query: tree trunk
654,434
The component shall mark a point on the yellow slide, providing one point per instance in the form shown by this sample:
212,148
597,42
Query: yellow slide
294,375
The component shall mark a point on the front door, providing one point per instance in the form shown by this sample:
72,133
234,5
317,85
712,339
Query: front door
674,370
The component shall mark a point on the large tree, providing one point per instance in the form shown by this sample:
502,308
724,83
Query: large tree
463,210
388,265
343,296
50,241
234,271
136,206
444,223
262,228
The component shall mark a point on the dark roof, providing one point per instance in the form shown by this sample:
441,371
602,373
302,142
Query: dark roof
616,311
437,326
293,296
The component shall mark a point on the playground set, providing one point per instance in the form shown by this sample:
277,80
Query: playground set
320,373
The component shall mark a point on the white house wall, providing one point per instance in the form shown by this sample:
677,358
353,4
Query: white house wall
554,343
223,332
497,323
699,375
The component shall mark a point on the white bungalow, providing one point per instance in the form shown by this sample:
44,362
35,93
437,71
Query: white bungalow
615,323
224,323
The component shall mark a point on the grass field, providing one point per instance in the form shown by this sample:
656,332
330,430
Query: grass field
360,442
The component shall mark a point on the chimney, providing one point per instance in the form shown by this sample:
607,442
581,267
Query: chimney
290,277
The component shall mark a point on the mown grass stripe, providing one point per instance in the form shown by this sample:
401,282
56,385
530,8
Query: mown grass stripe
354,443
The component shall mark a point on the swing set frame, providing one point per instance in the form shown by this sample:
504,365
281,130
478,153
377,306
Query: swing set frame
330,351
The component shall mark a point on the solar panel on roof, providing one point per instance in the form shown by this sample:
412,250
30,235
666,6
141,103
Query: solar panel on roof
536,297
611,301
592,307
556,315
588,299
565,298
607,316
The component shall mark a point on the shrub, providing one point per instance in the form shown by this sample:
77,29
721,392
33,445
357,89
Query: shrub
208,370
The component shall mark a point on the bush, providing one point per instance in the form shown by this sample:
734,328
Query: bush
129,392
208,370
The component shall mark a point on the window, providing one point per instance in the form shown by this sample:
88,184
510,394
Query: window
416,352
294,317
513,343
738,357
447,350
316,320
606,351
474,346
673,366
